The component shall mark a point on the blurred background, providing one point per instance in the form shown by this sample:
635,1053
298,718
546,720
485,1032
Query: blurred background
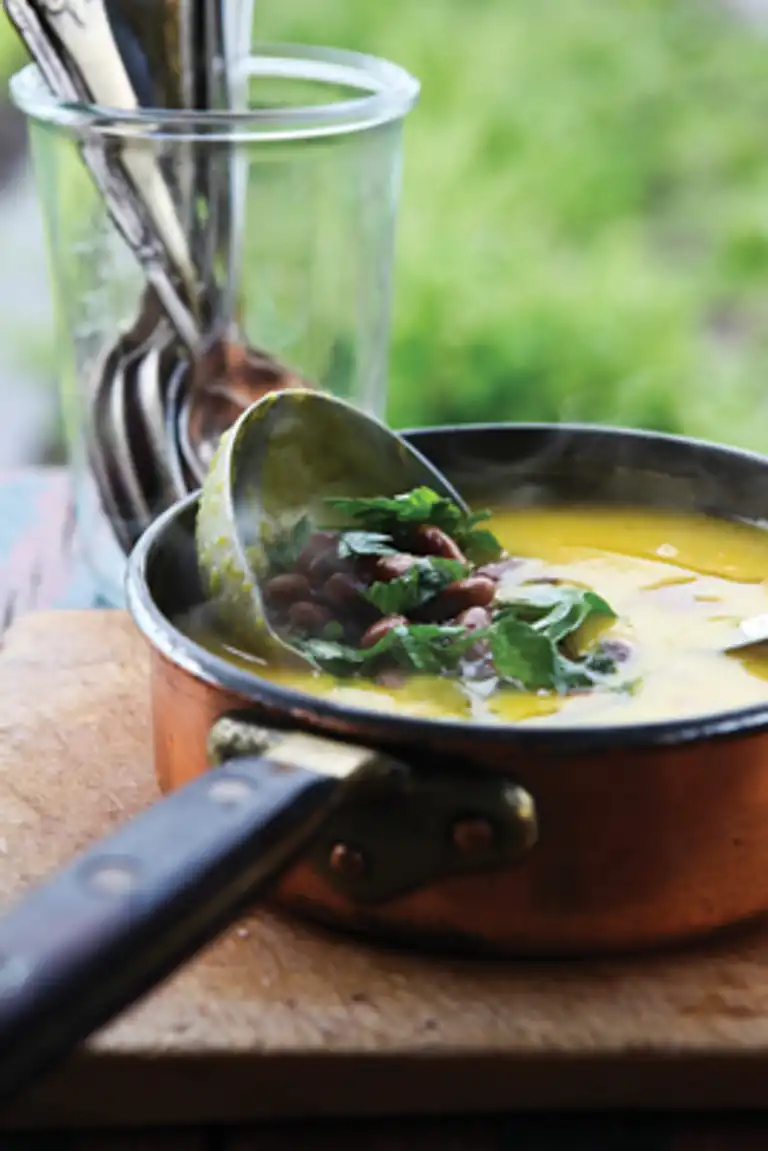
584,224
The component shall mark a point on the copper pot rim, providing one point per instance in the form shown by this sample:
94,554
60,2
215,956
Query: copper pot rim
197,661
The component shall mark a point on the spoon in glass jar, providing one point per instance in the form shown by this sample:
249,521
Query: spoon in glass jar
80,59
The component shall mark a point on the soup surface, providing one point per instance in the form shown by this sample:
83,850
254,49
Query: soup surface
677,583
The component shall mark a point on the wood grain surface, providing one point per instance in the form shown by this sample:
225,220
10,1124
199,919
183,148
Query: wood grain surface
687,1029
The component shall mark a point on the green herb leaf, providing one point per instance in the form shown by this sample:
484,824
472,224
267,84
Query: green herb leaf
573,610
384,513
432,649
524,637
398,516
523,656
556,611
582,673
427,648
284,550
330,655
531,660
428,576
480,546
360,543
526,634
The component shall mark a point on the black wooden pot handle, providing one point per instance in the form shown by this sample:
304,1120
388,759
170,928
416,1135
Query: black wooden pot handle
126,913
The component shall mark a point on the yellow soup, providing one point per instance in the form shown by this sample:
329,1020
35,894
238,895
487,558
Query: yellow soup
678,583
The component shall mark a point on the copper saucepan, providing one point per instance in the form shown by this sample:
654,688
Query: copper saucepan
513,840
566,842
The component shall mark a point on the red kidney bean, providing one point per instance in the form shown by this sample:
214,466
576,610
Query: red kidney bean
474,619
363,568
429,540
283,590
388,568
309,618
497,570
324,566
381,628
318,544
342,590
458,597
616,649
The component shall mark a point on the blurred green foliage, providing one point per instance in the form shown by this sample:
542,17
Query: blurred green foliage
584,227
12,54
584,230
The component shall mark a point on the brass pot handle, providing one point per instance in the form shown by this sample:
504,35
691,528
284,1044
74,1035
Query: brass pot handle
407,829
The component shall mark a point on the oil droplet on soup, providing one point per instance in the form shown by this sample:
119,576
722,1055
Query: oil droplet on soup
679,584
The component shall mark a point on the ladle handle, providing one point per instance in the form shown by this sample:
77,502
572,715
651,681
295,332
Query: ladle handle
119,919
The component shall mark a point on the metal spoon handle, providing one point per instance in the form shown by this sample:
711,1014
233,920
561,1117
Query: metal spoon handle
219,32
213,167
66,45
238,32
88,39
120,918
750,633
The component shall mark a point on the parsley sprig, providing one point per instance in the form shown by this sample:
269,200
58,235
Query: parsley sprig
527,638
432,649
397,516
524,640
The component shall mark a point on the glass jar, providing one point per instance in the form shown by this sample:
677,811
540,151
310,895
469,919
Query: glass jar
312,148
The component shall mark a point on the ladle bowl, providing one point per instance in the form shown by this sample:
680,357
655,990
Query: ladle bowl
277,465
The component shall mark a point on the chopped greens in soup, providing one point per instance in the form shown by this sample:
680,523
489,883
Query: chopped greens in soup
539,616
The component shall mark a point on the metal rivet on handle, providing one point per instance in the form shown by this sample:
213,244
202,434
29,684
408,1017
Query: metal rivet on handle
230,792
112,878
520,802
347,861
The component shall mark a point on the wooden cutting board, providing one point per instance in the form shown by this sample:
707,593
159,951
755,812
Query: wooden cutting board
281,1019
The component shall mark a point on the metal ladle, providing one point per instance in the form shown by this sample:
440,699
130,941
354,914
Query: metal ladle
276,465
